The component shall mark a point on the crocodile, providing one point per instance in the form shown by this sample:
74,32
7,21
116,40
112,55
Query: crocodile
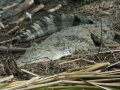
69,41
50,25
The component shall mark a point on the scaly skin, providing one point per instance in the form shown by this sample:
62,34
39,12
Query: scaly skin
67,42
50,25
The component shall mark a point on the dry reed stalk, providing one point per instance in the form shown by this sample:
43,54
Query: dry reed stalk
90,76
11,77
109,72
96,66
28,72
106,80
64,82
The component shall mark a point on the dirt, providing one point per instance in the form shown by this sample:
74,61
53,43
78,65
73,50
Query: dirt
108,9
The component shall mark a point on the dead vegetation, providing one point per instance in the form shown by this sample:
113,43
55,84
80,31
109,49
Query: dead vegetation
88,71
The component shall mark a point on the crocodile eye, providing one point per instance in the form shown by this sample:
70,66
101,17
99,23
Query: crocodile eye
91,22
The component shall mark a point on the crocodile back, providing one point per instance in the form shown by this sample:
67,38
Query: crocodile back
50,25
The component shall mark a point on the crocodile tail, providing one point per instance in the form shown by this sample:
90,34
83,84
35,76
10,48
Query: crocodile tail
47,25
50,25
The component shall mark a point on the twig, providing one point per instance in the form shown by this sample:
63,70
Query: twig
106,52
31,81
93,83
6,78
10,6
106,80
12,30
113,64
100,48
75,76
2,68
89,61
110,51
6,49
113,45
78,68
6,41
2,25
109,72
96,66
66,62
51,84
67,82
17,9
29,15
28,72
55,8
75,60
32,12
106,46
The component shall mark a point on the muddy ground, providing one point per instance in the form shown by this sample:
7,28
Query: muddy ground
106,9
